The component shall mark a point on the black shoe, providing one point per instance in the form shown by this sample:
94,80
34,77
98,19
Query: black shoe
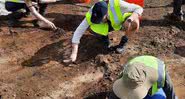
120,47
120,50
14,17
174,17
105,41
26,14
13,22
35,23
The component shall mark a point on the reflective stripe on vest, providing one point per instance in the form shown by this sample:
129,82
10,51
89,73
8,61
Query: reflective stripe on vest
116,18
16,1
155,63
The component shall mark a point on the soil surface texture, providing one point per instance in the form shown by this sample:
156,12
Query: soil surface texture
31,58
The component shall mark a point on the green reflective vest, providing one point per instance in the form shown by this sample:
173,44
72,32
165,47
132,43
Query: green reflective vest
115,15
155,63
16,1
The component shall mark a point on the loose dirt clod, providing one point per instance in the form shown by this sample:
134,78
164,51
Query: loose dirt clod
31,64
58,33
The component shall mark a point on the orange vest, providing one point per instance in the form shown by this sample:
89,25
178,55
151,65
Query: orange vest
82,1
138,2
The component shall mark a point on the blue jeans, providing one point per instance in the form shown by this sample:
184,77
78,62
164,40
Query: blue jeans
13,7
159,95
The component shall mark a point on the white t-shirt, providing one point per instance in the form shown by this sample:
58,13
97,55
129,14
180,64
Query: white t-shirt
125,7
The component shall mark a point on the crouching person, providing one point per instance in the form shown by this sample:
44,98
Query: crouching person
143,77
104,17
21,8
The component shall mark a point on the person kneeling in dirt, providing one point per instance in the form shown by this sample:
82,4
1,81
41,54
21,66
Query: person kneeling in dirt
144,77
177,14
106,16
21,8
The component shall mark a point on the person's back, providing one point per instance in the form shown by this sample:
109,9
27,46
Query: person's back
143,77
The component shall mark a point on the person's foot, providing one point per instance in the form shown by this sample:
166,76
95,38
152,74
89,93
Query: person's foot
174,17
117,49
14,18
26,14
105,41
35,23
120,50
13,22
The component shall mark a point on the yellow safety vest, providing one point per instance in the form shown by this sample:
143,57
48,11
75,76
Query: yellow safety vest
16,1
116,18
155,63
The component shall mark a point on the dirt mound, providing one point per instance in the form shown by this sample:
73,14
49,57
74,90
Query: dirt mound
31,59
159,42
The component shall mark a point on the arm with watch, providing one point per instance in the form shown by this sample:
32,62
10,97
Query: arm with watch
132,23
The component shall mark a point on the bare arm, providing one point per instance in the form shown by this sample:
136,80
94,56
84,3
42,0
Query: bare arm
130,7
133,25
38,15
76,40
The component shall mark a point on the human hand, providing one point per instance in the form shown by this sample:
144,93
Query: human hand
50,24
73,55
71,59
131,26
127,24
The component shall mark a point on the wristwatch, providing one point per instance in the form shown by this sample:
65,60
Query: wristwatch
129,20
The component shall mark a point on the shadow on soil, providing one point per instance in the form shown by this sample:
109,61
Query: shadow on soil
66,21
160,6
163,22
89,48
180,51
47,53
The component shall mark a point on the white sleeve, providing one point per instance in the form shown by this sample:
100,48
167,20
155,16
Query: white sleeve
130,7
80,31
